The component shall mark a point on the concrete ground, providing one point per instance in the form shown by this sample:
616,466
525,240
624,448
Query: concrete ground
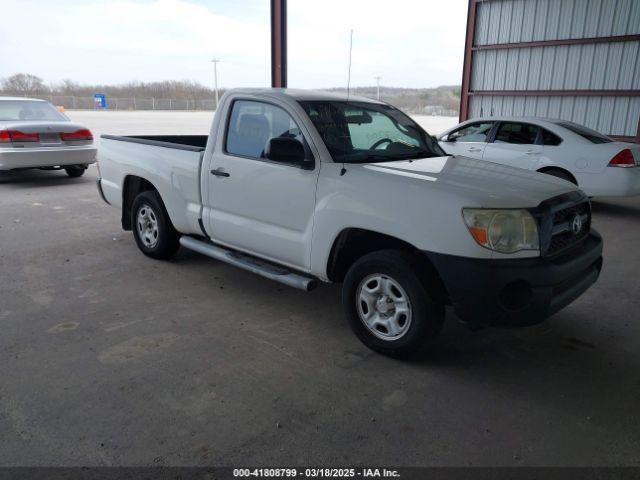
110,358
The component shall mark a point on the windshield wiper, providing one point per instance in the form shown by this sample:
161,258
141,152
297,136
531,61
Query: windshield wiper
400,156
369,157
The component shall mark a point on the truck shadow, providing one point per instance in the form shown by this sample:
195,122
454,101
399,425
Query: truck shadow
537,344
40,178
622,208
567,337
577,369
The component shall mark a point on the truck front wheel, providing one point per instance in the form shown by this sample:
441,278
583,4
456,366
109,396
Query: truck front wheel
152,228
388,305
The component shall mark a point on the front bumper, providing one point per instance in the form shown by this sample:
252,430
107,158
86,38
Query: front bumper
518,292
16,158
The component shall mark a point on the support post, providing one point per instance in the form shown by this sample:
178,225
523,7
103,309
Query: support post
279,43
466,68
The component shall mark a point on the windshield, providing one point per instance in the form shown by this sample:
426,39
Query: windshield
584,132
25,110
361,132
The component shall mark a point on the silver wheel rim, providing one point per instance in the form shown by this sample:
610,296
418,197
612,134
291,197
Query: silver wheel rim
148,226
383,306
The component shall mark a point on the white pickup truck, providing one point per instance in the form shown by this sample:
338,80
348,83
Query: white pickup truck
301,187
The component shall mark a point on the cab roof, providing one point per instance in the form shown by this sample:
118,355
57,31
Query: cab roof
300,94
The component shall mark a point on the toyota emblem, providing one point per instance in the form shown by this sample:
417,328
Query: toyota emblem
576,224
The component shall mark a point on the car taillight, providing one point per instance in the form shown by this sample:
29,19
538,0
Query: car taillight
623,159
18,136
82,134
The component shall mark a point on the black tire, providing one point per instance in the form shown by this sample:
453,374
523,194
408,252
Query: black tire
427,314
158,238
554,172
75,171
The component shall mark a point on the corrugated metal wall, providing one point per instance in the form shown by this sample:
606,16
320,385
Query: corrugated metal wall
602,66
515,21
592,66
612,115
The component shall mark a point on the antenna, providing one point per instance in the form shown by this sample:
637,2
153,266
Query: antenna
344,170
349,71
215,78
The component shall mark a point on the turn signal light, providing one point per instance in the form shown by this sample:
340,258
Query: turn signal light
623,159
480,235
82,134
17,136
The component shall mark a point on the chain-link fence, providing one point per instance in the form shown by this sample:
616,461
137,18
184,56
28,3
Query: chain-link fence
70,102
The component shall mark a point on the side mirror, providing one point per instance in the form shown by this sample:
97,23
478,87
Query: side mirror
285,150
445,138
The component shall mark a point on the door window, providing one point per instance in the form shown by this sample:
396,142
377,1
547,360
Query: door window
517,133
253,123
476,132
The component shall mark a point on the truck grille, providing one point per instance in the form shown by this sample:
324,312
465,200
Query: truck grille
570,226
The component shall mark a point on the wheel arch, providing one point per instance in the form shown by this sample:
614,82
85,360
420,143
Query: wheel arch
353,243
133,186
559,169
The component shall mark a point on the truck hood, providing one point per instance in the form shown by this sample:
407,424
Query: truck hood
486,184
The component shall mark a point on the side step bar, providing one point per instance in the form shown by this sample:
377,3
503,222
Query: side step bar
252,264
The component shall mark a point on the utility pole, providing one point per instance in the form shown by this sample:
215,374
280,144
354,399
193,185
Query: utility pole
378,82
215,78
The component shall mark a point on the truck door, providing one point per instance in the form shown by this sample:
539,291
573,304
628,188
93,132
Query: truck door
254,204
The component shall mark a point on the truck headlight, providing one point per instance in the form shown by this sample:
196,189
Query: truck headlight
505,231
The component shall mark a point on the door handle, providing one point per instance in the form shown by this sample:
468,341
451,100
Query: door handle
531,152
474,149
219,173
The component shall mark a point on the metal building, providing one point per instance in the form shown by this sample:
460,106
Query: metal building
577,60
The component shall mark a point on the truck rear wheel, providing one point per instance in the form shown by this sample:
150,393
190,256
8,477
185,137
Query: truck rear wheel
388,306
152,228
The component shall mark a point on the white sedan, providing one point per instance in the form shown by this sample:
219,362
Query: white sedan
599,165
34,134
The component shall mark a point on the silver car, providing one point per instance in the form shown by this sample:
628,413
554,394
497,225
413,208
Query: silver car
34,134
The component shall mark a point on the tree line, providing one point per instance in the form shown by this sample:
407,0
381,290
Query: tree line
444,100
26,84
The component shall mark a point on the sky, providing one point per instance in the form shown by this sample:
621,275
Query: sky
409,43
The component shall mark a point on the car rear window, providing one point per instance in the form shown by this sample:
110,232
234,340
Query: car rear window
584,132
28,110
550,139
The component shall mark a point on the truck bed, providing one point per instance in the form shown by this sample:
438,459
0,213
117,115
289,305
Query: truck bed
193,143
171,163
